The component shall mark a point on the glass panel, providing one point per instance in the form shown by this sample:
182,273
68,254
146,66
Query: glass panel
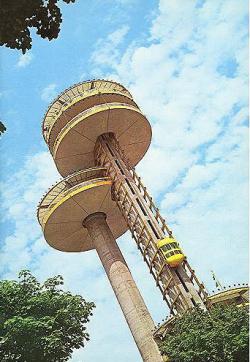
166,247
170,248
177,252
170,253
174,245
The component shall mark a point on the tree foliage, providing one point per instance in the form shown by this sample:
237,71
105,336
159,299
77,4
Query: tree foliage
218,336
18,16
2,128
40,322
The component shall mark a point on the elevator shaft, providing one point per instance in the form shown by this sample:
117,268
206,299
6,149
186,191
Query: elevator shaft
180,286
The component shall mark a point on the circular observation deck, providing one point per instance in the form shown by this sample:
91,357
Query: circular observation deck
238,295
62,210
82,113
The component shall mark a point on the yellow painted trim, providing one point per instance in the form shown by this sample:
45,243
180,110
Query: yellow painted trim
79,98
234,292
71,194
74,101
91,111
165,241
175,260
243,305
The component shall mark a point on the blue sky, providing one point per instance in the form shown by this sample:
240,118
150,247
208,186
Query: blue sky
185,62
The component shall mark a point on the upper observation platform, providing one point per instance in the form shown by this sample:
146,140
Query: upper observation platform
82,113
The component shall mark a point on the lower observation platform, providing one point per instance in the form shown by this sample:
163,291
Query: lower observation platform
238,296
62,210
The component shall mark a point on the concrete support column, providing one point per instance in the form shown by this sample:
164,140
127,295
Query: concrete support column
126,291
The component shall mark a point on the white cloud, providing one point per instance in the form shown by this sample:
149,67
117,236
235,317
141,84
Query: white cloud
196,164
49,92
24,60
195,168
107,49
20,201
25,247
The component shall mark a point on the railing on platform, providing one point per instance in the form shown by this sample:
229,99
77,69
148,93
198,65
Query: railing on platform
68,185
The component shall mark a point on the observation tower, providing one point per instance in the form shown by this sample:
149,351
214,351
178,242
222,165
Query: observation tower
97,134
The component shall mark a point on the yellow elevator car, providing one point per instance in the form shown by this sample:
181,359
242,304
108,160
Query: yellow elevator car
171,250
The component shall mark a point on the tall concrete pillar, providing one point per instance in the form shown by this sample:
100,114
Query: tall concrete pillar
126,291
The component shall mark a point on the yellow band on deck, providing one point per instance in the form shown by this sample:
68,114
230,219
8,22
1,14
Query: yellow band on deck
89,112
70,194
75,100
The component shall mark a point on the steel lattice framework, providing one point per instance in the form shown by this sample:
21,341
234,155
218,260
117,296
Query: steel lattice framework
180,287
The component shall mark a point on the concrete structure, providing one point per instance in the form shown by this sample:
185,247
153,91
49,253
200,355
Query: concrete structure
73,217
128,295
237,296
96,134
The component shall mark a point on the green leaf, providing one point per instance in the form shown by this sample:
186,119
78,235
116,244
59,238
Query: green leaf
216,336
40,322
